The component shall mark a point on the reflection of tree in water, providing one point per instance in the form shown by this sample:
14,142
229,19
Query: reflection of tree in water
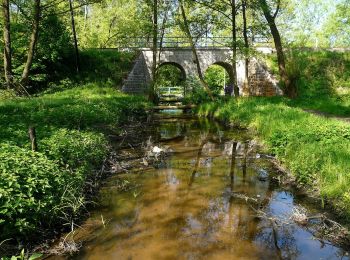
237,213
279,239
246,226
199,155
225,211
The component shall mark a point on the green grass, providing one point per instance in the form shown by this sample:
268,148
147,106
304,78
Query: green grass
315,149
45,189
322,79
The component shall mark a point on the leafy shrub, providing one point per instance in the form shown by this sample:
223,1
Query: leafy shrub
196,93
76,149
31,185
322,79
216,77
6,94
108,66
45,189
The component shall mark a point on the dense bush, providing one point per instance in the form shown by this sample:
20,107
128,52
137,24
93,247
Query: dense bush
31,186
46,188
315,149
217,79
196,94
106,65
53,48
76,149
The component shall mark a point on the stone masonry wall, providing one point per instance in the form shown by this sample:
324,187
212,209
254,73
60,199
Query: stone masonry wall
261,82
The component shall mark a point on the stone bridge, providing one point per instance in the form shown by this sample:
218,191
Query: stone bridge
261,82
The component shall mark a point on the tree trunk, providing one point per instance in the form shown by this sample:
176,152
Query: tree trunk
32,137
290,89
194,51
32,44
151,95
165,19
246,45
7,43
77,60
234,48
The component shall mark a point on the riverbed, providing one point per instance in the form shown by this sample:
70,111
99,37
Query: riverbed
211,193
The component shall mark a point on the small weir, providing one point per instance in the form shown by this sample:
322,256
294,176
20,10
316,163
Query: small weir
210,194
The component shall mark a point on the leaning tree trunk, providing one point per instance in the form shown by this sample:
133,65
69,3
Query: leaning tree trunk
194,51
32,44
7,43
290,89
246,45
165,19
152,96
77,60
234,48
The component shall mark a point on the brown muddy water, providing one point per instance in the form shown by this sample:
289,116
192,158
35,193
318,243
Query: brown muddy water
214,196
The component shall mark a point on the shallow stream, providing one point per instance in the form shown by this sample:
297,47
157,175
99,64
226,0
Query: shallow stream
215,195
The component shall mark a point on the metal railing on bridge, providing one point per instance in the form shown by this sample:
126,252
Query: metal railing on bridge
183,42
171,94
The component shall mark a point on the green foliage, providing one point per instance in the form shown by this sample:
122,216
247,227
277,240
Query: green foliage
315,149
112,23
336,30
54,45
31,186
41,189
109,66
315,23
217,78
102,67
196,94
322,79
23,256
76,149
169,76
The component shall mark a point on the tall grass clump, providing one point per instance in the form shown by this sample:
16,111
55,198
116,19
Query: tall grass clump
315,149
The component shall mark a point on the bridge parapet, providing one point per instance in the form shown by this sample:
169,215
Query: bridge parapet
183,42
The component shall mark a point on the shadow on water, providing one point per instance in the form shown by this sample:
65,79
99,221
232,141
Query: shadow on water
213,197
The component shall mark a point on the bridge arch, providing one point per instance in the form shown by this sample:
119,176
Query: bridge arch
227,87
170,81
175,64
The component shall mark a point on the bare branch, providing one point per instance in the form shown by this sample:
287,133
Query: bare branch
277,9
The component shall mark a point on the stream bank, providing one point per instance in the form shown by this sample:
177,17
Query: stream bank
45,192
210,192
315,150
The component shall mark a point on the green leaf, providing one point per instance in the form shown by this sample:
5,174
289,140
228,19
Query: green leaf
35,256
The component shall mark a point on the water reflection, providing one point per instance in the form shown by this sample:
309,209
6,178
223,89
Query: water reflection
206,203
